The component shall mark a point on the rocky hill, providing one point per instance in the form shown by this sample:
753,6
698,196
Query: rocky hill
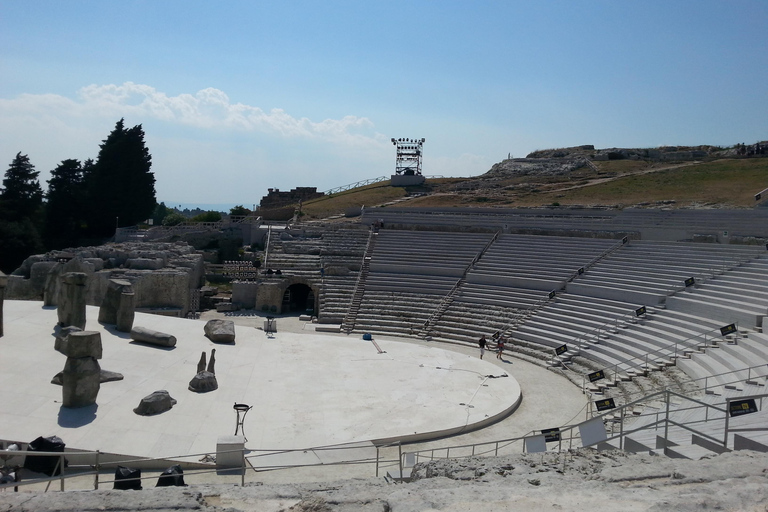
660,154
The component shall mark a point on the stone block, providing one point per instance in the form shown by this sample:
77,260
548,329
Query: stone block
155,403
145,263
61,336
220,331
229,451
71,301
126,312
81,381
112,298
153,337
81,344
224,307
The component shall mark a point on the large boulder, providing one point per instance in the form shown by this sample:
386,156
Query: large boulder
220,331
153,337
155,403
203,382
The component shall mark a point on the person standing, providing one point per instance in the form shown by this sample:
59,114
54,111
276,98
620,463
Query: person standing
481,343
499,347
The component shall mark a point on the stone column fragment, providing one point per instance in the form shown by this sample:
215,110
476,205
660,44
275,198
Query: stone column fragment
71,309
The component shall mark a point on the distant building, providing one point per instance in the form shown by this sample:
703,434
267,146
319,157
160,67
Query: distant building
277,199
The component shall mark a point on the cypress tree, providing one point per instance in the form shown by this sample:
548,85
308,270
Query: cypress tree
64,210
21,195
121,186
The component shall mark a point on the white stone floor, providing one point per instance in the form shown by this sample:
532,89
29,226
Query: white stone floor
307,389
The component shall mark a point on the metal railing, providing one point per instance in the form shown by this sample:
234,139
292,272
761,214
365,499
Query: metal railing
673,350
357,184
570,434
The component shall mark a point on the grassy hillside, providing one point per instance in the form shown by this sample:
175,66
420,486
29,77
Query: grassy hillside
727,182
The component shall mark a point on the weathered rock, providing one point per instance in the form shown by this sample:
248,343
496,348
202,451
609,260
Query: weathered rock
154,337
104,376
203,382
220,331
126,312
108,376
155,403
81,382
53,285
113,297
212,362
71,302
145,263
80,344
61,336
201,363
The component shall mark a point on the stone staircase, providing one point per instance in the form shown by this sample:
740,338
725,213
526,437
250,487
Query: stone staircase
348,324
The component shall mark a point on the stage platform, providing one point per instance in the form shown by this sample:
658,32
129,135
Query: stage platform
307,389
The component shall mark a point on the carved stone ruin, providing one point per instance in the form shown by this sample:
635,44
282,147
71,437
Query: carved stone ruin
118,306
81,379
220,331
52,285
153,337
71,310
3,283
201,363
205,380
155,403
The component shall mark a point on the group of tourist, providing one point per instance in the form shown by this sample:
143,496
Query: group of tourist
498,339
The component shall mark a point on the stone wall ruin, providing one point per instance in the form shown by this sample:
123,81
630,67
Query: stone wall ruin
161,274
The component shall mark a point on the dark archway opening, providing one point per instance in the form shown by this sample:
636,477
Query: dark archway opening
298,298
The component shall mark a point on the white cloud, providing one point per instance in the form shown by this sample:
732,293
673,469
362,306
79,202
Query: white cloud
212,109
209,109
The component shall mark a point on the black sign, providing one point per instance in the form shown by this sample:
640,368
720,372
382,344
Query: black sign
739,407
604,405
552,294
640,311
728,329
562,349
551,434
690,282
595,376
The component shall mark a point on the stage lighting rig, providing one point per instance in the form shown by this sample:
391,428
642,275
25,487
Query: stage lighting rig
408,161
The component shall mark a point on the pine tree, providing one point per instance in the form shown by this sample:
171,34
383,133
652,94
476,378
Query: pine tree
121,186
21,195
20,205
64,210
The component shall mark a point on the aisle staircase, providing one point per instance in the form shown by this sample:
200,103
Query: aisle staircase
348,324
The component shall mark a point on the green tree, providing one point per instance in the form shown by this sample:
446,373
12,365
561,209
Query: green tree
160,213
239,210
21,195
121,186
209,216
18,241
173,219
65,209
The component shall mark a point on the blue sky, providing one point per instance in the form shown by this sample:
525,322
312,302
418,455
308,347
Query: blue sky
237,97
